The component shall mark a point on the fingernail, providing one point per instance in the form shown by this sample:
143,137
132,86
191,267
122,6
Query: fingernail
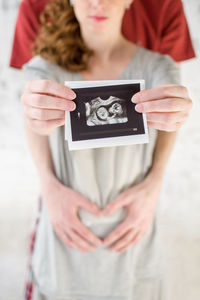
134,99
72,106
139,107
71,95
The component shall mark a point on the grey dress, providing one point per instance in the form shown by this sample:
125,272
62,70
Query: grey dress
100,175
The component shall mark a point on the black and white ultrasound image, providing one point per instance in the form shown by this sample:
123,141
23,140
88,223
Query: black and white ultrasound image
108,111
105,111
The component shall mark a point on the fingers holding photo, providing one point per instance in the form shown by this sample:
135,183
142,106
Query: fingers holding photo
45,103
45,86
161,92
167,107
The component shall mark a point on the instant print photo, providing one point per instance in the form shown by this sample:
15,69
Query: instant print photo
104,115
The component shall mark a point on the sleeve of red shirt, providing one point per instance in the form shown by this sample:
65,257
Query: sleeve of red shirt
27,26
173,29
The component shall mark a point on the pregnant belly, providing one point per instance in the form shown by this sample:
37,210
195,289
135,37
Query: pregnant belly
102,226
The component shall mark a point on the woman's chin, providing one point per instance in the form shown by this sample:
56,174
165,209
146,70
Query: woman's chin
98,29
97,26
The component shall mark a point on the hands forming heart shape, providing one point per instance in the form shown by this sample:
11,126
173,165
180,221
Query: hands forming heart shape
139,201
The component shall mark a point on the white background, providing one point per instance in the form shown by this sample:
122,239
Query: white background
19,186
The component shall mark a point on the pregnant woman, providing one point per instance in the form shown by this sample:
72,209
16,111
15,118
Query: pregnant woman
97,232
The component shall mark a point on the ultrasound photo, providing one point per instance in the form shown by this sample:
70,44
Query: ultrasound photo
105,115
109,111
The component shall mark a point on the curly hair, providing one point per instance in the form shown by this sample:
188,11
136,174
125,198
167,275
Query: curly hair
59,39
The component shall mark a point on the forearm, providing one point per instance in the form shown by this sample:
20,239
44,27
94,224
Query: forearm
41,154
163,148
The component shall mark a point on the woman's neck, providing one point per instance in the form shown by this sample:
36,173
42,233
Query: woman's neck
109,66
105,47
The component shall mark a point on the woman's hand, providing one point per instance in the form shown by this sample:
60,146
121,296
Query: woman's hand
140,202
63,204
166,107
45,103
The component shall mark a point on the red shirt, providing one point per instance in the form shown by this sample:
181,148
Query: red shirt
159,25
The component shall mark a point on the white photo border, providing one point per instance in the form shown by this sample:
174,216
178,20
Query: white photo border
109,141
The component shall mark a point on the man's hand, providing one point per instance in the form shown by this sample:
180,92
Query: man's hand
63,205
167,107
140,202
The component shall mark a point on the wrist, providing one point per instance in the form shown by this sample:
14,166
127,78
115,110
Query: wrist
155,176
48,179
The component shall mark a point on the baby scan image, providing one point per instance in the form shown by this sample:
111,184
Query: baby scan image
104,112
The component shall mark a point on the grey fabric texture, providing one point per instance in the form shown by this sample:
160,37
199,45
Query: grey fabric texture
100,175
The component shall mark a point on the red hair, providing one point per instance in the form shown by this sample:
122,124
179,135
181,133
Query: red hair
59,39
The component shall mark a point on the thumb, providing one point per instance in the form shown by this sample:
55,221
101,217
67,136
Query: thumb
119,202
122,200
90,206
